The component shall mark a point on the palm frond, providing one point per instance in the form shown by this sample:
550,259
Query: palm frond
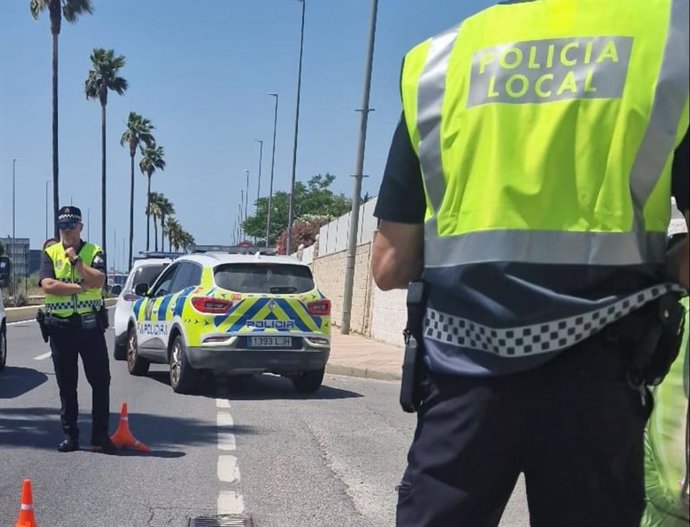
71,9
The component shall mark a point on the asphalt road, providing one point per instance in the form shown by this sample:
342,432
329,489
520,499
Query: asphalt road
251,445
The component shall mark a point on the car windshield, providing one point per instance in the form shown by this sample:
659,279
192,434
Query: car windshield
264,278
147,274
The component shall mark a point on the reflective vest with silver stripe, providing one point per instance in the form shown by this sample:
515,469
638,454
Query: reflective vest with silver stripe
545,132
84,302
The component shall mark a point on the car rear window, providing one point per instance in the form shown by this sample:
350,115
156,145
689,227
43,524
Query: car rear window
147,274
264,278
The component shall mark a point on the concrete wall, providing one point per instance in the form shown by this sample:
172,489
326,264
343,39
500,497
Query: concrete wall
388,315
329,273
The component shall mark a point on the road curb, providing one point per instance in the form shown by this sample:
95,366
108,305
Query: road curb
21,314
368,373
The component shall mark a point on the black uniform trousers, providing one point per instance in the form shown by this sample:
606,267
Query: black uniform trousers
573,427
66,345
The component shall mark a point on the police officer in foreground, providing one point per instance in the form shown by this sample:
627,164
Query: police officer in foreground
526,201
72,276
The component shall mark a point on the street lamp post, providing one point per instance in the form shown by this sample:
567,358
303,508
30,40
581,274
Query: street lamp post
359,169
273,163
291,208
47,208
258,184
246,201
14,235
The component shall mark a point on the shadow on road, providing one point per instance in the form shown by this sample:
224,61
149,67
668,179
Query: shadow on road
255,388
166,436
15,382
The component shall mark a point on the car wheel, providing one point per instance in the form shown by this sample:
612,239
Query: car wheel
308,381
183,378
3,348
120,351
135,364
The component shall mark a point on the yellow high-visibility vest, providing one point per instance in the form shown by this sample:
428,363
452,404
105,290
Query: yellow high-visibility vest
545,132
85,302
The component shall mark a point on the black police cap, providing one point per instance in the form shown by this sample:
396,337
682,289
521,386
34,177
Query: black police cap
69,214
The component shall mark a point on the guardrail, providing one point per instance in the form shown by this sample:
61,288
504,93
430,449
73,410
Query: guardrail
20,314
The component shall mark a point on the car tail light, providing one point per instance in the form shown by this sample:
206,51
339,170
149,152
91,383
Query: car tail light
130,297
319,308
206,304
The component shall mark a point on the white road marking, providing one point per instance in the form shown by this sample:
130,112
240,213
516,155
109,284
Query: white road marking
21,322
222,403
228,471
41,357
226,439
230,502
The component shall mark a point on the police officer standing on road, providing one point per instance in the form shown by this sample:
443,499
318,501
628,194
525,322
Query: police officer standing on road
528,189
72,276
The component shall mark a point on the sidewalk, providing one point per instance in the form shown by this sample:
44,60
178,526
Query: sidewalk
359,356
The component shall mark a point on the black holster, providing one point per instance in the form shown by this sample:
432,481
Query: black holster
103,321
413,363
654,334
41,319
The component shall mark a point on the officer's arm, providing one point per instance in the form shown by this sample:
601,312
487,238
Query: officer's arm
91,278
398,255
51,286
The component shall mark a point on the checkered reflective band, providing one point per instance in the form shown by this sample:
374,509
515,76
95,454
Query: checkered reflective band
538,338
90,303
59,306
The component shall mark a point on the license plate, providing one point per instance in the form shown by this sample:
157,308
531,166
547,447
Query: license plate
270,342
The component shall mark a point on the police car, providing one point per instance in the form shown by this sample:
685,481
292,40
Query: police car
3,334
144,270
232,314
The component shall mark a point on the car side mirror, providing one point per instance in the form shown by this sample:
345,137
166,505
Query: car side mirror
141,289
116,289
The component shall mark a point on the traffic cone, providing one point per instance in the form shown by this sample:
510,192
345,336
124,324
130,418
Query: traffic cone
123,438
26,510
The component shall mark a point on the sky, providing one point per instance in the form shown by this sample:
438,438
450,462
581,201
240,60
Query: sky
201,72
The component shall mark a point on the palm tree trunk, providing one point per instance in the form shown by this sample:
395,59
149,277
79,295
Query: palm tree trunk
56,193
131,212
155,235
148,212
162,232
103,180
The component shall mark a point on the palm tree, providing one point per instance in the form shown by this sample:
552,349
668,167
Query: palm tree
70,9
175,231
166,209
154,211
138,131
152,159
104,77
187,240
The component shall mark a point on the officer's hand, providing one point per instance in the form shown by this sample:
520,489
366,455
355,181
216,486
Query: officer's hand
70,253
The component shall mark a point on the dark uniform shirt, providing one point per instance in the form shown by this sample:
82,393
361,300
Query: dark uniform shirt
47,269
401,198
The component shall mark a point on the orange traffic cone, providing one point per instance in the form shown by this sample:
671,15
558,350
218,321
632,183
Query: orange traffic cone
26,511
123,438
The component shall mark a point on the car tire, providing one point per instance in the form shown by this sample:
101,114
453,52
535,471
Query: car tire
183,378
136,364
120,351
308,381
3,347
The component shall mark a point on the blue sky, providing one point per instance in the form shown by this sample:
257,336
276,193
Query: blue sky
201,75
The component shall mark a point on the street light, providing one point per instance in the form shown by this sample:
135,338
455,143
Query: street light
273,163
261,158
14,236
47,182
356,193
246,201
291,206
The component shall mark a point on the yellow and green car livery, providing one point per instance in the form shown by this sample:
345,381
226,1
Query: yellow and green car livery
233,314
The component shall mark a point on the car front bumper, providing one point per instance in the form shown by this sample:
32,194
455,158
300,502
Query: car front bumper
225,359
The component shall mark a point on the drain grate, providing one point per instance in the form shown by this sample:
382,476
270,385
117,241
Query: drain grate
224,520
